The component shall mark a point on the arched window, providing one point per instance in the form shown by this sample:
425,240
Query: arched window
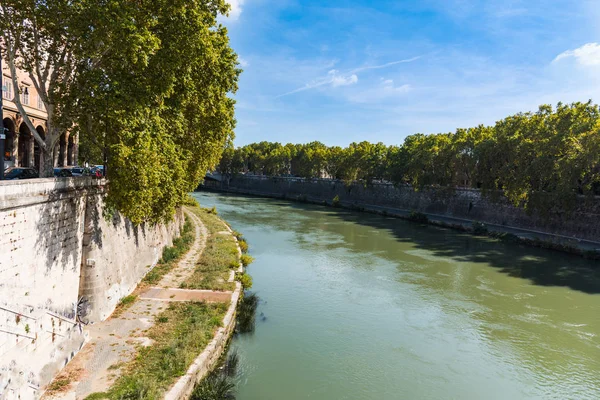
24,145
37,161
9,131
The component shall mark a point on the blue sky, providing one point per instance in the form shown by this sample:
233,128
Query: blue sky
344,71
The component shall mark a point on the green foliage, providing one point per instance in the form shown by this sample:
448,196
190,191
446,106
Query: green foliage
124,304
244,279
336,201
219,257
243,245
246,260
418,217
186,330
479,228
214,387
127,300
246,313
540,161
172,254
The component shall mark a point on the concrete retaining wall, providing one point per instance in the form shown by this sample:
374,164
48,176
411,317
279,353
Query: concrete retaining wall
48,229
583,223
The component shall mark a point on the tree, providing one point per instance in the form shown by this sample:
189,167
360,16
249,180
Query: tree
147,83
36,38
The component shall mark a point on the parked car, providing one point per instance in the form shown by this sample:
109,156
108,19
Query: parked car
80,171
97,171
14,173
62,173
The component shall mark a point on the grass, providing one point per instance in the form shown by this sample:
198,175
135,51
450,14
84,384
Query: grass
246,260
336,201
58,385
124,304
219,257
418,217
172,254
244,279
185,332
214,387
246,313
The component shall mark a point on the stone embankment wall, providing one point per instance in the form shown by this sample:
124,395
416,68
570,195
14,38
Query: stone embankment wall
469,204
61,261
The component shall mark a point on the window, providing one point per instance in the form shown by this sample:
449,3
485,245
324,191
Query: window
7,89
40,103
25,97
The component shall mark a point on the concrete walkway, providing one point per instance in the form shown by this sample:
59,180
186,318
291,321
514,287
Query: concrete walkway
115,341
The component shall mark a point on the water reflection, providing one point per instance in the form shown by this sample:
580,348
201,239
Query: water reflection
362,306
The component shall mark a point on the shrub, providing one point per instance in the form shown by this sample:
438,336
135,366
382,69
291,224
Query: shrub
479,228
190,201
419,217
246,260
246,313
336,201
245,280
508,237
214,387
243,245
231,364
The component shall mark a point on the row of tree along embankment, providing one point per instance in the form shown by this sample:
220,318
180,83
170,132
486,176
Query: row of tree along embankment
575,231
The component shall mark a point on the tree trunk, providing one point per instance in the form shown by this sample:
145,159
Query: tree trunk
47,162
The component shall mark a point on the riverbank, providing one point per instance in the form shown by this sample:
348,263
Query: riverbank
361,306
585,248
166,336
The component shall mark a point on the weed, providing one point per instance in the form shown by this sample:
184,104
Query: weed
219,257
187,329
27,328
231,364
58,384
336,201
246,260
418,217
479,228
245,279
214,387
97,396
243,245
246,313
172,254
124,304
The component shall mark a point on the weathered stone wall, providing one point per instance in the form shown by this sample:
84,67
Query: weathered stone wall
467,204
116,256
48,229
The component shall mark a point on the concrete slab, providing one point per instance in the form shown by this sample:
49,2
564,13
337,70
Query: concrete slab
162,294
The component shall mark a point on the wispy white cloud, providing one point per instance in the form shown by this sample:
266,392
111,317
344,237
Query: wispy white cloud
243,62
386,65
586,55
336,78
236,9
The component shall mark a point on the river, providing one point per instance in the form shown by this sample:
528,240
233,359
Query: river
359,306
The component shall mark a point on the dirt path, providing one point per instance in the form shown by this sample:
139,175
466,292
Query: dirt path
116,340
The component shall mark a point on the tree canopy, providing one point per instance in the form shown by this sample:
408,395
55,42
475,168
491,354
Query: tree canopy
146,85
537,160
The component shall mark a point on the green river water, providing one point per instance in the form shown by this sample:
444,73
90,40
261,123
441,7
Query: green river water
358,306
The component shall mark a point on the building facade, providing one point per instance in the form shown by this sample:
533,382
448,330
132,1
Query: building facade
20,147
